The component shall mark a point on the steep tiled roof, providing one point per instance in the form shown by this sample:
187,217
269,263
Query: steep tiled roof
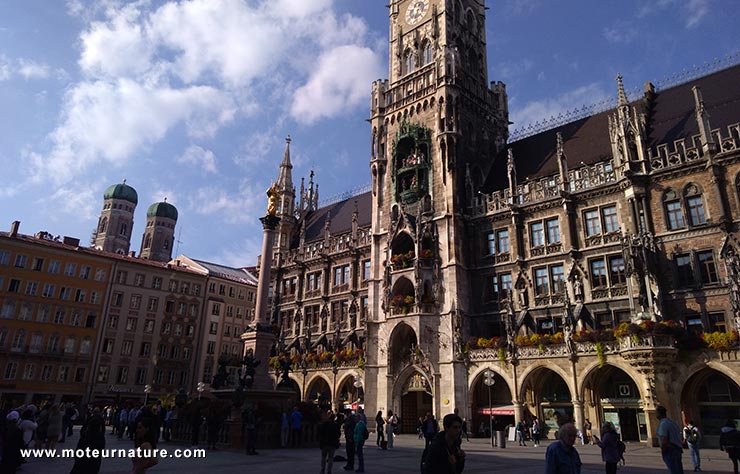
227,273
586,141
340,214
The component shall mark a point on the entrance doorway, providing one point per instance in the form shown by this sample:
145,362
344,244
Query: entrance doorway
416,401
414,405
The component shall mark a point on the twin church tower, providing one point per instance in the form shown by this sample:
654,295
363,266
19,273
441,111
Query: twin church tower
116,223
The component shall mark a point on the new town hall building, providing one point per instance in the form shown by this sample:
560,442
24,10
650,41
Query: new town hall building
580,264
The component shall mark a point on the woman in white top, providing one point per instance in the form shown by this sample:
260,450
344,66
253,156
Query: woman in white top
390,424
27,427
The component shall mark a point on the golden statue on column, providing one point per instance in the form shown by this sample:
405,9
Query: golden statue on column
272,199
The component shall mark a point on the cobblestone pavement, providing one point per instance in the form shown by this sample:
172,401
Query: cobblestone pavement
481,458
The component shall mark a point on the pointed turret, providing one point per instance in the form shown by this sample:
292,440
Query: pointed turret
562,164
709,147
286,209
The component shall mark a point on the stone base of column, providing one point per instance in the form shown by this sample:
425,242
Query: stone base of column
261,343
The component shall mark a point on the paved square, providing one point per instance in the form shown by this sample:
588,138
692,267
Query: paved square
403,458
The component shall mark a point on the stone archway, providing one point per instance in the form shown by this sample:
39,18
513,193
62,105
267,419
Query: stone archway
611,394
709,398
319,393
403,341
499,412
350,393
546,395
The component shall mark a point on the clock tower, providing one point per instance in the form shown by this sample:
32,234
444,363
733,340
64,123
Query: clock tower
437,126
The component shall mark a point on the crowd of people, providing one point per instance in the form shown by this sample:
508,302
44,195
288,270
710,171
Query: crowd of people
44,427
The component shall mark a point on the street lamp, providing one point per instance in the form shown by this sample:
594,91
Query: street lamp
201,387
147,391
488,379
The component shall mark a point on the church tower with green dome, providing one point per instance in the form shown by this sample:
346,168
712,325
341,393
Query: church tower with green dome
116,222
159,235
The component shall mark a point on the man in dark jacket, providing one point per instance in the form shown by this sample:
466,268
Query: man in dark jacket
329,433
729,440
561,456
349,441
430,429
443,455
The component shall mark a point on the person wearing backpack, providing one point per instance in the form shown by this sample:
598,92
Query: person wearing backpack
609,444
692,436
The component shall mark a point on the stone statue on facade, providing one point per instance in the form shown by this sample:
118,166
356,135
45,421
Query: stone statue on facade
732,264
569,328
221,379
510,327
285,368
272,199
577,290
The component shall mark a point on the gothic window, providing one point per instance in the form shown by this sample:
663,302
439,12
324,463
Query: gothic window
593,226
124,229
408,62
426,53
553,231
557,276
617,271
103,224
148,241
707,267
673,210
694,205
609,215
598,273
542,281
537,234
502,241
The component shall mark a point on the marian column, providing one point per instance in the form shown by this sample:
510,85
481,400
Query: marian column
259,341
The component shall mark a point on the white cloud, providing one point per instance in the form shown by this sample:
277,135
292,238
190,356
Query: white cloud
202,63
339,82
200,157
4,68
77,200
543,110
510,70
30,69
110,121
621,32
696,11
232,208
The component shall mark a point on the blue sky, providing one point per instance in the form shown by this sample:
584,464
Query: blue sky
192,100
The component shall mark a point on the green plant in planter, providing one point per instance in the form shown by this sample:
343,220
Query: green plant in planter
601,354
501,354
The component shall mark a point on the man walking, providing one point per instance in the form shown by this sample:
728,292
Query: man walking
430,429
349,439
328,441
669,439
693,437
296,420
361,434
561,456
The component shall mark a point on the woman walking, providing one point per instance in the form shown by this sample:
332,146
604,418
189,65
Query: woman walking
379,424
54,428
92,437
145,439
390,426
609,444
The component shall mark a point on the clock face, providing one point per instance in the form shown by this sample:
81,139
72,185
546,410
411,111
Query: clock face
416,11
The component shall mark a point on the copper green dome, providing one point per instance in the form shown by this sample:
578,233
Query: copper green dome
122,191
162,209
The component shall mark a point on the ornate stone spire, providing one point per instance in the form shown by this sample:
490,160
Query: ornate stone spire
562,164
511,173
702,119
285,180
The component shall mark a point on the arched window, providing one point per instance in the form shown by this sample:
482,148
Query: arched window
408,62
148,241
426,53
694,205
470,21
124,229
673,210
103,224
166,244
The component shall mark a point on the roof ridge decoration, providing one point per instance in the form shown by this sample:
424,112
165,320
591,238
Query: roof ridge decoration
677,79
346,195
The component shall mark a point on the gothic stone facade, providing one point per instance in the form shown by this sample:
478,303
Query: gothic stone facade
628,215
